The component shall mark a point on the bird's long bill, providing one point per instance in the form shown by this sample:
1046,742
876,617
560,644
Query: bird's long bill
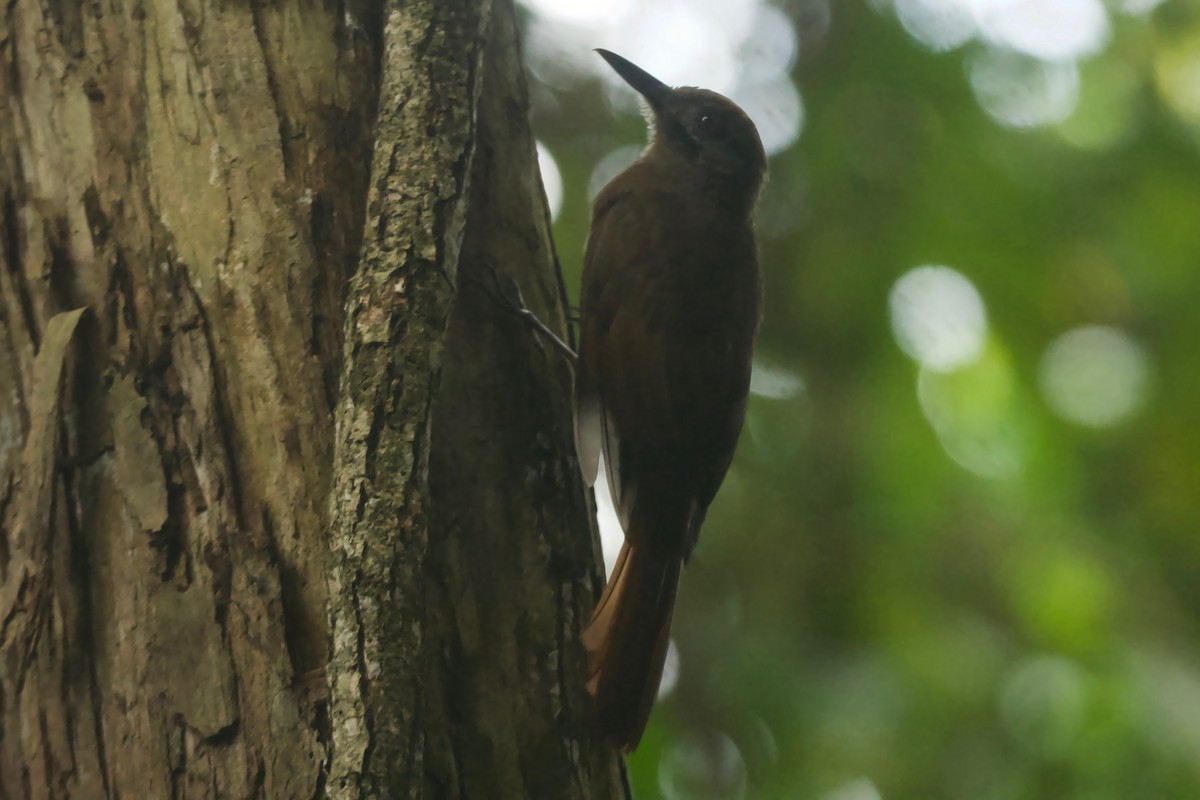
648,86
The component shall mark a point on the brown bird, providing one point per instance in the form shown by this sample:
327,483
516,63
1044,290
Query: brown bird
669,308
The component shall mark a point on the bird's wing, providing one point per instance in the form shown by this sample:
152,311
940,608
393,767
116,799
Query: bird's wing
594,431
623,400
613,356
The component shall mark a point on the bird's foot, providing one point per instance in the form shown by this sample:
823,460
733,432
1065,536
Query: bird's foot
505,292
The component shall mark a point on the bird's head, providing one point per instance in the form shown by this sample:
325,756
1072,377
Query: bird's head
703,128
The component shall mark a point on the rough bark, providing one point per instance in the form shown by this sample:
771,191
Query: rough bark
206,589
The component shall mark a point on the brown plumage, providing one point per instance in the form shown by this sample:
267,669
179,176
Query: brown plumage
669,308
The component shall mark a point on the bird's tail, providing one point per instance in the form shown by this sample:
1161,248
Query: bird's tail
627,641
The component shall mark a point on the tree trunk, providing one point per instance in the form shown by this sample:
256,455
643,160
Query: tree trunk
288,506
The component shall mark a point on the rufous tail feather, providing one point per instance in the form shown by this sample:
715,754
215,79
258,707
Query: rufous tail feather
627,639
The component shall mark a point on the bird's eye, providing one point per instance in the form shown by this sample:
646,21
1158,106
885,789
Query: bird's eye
711,126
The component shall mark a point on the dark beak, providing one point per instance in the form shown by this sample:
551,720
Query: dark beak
648,86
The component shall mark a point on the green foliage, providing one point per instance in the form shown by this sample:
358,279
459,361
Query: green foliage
923,584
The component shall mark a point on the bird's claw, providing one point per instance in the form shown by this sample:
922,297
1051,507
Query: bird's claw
507,294
504,290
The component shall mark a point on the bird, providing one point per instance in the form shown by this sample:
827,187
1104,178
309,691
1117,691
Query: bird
670,305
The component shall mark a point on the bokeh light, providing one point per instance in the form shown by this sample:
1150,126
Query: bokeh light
972,411
1139,7
740,48
776,109
610,166
670,673
938,24
1023,91
1042,703
1063,597
1177,72
678,44
769,52
938,317
1095,376
551,180
611,534
1027,75
1054,30
1107,109
1169,702
858,789
708,768
775,383
580,12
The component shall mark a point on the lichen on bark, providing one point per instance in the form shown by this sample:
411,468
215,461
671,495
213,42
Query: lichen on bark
398,305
